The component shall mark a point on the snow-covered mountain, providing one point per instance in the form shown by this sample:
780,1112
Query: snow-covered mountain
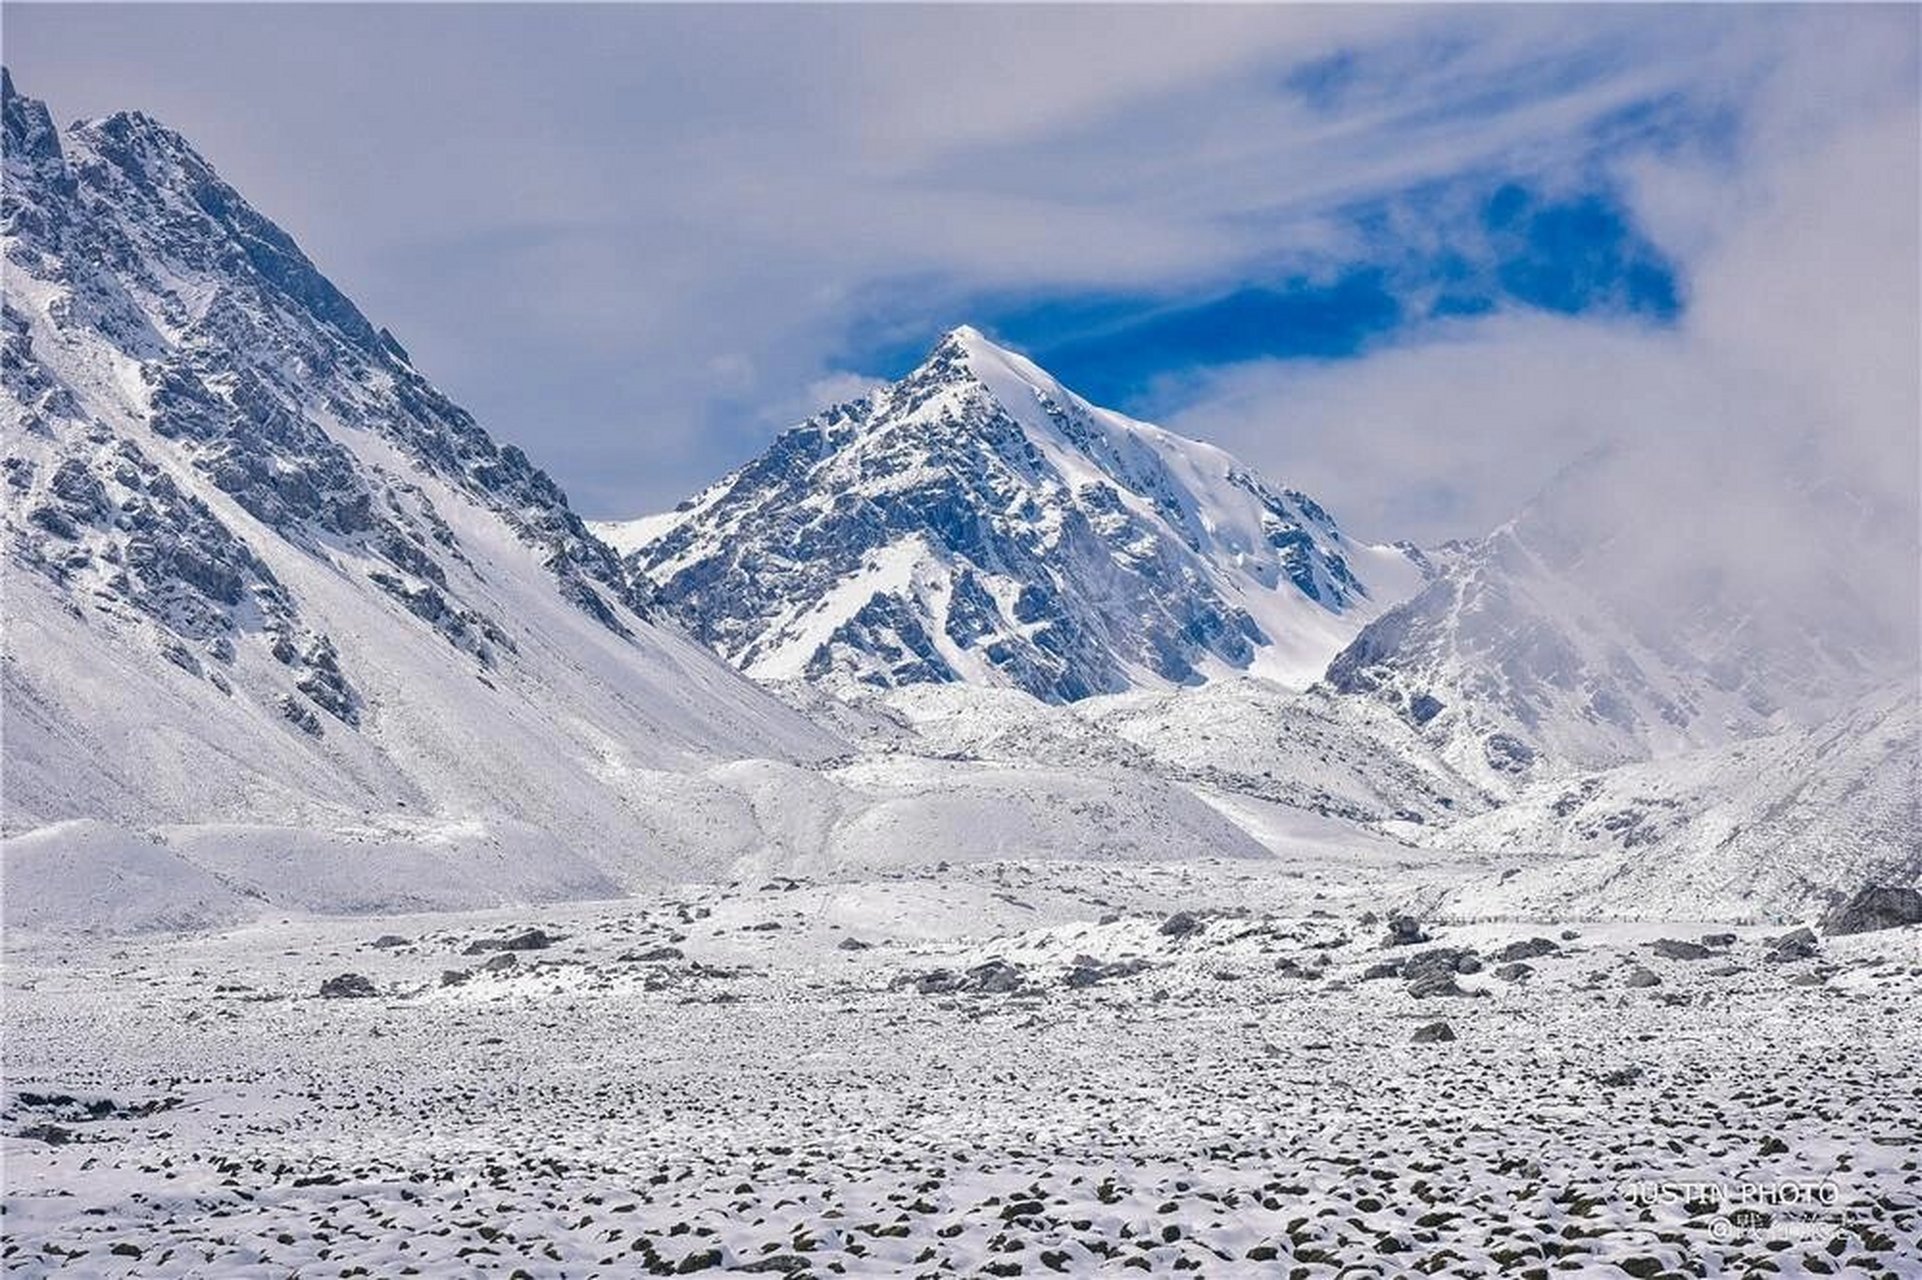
1550,648
259,570
286,630
976,521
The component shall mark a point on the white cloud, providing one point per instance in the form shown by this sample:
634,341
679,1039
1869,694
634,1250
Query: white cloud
1770,442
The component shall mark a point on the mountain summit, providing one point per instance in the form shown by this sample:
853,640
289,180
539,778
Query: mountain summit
977,521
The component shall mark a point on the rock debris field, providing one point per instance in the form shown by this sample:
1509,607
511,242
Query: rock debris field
996,1070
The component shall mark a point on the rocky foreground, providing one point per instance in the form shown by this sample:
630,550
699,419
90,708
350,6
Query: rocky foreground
1000,1070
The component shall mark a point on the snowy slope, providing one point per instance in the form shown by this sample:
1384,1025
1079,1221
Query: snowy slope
1539,652
287,631
259,571
1780,824
978,522
1310,750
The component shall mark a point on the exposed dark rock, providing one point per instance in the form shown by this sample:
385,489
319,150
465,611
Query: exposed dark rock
1434,1033
1404,931
526,940
1798,944
1875,907
347,986
1180,925
1527,949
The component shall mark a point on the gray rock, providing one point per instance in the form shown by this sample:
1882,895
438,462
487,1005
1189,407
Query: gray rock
1180,925
852,944
1434,983
348,986
996,977
936,982
1875,907
1676,949
1718,939
1514,971
1790,947
501,963
1527,949
1441,960
1434,1033
1404,931
1640,977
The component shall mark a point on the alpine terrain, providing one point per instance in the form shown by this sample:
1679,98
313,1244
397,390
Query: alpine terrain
984,835
977,521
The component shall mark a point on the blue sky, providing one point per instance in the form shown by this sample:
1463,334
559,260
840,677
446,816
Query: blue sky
639,241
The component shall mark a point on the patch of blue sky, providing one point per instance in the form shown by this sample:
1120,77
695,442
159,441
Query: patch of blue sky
1439,253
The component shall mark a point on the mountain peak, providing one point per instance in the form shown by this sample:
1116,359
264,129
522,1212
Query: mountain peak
970,343
978,521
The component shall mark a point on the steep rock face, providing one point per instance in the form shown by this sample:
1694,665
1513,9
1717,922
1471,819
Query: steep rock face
976,521
261,570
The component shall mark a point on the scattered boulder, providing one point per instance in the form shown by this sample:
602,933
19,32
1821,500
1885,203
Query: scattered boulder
996,977
935,982
526,940
1514,971
1442,960
454,977
1718,940
1434,983
1677,949
852,944
388,940
1404,931
1621,1078
1527,949
501,963
1793,946
1640,976
1085,971
1180,925
1434,1033
348,986
653,955
1875,907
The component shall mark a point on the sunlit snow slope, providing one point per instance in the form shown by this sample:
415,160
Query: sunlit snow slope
260,571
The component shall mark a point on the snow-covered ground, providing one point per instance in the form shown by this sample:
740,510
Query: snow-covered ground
997,1069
